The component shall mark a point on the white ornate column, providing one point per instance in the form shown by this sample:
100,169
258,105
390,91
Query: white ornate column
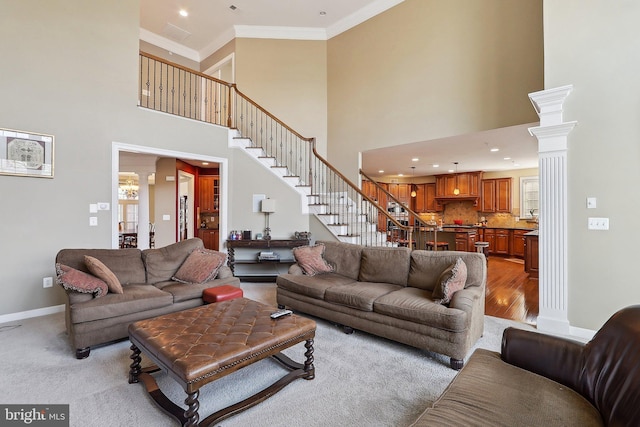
552,162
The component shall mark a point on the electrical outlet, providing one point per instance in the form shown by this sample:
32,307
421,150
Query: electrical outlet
47,282
93,221
598,224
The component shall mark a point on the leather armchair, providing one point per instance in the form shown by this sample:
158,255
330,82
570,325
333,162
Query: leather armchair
606,370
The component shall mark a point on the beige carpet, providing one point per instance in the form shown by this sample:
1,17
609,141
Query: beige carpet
361,380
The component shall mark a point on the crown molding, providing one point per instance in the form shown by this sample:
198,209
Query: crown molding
169,45
270,32
361,16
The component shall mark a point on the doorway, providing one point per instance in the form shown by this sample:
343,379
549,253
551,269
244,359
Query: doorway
166,217
186,197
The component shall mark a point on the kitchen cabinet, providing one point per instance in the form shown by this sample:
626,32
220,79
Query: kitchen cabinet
465,242
517,243
210,238
468,184
496,195
501,245
531,259
489,235
425,200
402,192
430,203
209,193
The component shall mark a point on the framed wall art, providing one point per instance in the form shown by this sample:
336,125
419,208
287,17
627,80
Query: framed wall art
26,153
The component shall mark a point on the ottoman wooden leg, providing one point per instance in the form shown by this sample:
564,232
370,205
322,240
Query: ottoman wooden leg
308,363
134,370
191,414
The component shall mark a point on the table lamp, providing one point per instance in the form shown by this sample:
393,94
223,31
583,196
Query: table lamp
268,206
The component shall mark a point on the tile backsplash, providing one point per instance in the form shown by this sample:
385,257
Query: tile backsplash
465,211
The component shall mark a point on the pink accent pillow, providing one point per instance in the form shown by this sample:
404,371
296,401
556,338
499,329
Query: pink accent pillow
101,271
200,266
79,281
310,259
451,280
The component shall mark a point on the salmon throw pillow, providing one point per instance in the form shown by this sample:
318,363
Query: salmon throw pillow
311,260
201,266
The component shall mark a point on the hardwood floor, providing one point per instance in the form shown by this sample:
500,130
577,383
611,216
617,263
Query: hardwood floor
511,294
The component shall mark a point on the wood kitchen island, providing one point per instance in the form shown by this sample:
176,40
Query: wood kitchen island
459,239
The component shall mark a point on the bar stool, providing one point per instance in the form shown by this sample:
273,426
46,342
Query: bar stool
441,245
483,248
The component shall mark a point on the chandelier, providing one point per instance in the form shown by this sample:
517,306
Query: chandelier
129,190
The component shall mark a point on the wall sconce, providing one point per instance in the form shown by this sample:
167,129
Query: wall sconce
268,206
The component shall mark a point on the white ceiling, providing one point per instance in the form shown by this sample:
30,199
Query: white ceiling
212,23
517,149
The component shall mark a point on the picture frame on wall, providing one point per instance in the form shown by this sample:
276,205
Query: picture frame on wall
25,153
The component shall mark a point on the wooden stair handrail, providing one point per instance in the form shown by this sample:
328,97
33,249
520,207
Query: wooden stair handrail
311,141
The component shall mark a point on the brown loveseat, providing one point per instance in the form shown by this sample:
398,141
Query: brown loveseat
389,292
147,290
541,380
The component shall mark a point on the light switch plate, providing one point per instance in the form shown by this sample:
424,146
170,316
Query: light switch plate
93,221
93,207
598,224
166,217
591,203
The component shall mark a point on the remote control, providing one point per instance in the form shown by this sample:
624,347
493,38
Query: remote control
280,313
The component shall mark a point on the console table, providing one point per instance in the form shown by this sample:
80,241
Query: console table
244,262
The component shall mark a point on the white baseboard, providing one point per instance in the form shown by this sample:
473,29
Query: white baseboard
31,313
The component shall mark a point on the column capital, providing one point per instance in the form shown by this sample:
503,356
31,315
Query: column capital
548,104
553,137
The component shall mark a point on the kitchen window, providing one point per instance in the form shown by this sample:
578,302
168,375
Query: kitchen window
529,197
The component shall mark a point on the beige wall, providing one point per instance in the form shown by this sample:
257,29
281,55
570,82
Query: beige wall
289,79
428,69
77,79
169,56
594,47
218,56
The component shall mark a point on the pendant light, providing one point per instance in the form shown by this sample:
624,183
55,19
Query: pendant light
413,188
456,190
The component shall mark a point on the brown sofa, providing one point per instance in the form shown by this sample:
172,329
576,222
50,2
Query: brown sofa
388,292
541,380
148,291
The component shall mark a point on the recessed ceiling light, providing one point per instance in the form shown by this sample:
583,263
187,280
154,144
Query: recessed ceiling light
415,159
380,171
493,150
205,163
450,171
507,158
435,165
183,13
400,174
233,7
323,13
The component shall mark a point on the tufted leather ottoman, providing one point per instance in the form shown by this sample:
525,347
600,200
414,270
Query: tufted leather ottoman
200,345
221,293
